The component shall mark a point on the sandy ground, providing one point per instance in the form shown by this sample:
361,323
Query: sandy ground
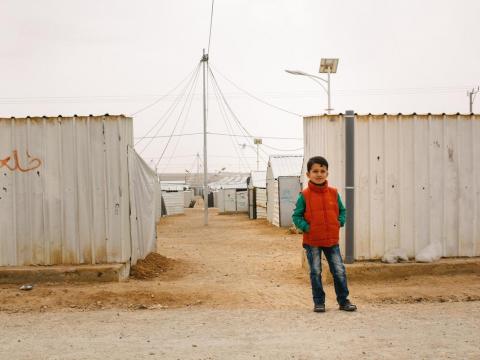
407,331
235,289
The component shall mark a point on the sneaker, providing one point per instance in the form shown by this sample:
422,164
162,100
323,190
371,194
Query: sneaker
348,306
319,308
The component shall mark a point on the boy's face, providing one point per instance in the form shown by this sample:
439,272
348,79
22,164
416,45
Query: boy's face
317,174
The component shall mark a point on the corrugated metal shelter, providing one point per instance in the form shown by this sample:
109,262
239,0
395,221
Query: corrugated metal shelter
66,194
230,194
172,185
174,202
417,179
257,195
283,186
231,182
173,196
187,198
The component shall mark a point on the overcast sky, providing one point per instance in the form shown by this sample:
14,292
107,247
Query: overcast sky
95,57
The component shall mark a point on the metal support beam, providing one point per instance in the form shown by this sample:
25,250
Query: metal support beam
350,186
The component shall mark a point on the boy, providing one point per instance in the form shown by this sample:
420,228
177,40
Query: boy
320,214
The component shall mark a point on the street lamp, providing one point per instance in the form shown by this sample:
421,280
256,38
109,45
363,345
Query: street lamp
327,66
258,142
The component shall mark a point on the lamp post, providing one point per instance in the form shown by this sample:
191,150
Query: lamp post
258,142
327,66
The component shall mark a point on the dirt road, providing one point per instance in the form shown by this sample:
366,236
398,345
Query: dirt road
235,289
407,331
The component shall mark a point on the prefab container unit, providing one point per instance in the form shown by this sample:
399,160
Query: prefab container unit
174,202
283,187
242,201
68,185
257,195
417,179
171,185
231,194
187,198
227,200
173,196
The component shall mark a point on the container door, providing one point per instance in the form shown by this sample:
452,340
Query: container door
288,189
230,200
242,201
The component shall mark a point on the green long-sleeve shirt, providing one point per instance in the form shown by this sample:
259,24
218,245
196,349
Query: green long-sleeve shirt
298,214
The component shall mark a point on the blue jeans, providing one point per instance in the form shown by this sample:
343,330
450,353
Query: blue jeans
335,263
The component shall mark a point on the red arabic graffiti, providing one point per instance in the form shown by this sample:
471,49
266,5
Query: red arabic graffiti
33,162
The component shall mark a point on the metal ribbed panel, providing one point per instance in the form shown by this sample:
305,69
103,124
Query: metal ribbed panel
275,204
285,165
258,179
64,190
417,179
242,201
187,198
261,203
174,202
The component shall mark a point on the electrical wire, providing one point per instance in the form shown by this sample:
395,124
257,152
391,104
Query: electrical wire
222,134
164,96
167,114
245,130
276,149
227,124
242,128
257,98
211,23
184,123
177,122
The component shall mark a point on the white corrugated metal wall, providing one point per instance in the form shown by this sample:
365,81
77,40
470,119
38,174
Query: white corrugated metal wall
271,194
275,205
188,198
230,199
174,202
64,190
417,179
261,195
242,201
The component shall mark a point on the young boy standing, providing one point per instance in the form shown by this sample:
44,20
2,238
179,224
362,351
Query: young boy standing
320,214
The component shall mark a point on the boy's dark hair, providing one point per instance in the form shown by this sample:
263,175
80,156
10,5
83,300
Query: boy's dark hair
320,160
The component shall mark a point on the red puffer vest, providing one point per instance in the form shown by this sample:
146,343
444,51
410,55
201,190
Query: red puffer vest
321,212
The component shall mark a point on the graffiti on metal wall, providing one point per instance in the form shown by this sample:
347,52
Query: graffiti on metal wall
12,162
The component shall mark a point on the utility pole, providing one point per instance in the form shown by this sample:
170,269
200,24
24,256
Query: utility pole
471,95
205,168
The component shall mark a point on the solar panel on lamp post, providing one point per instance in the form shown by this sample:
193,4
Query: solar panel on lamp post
327,66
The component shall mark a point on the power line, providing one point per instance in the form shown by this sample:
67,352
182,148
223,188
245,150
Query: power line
210,35
163,97
168,112
276,149
183,126
221,134
194,155
257,98
179,117
227,122
242,128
